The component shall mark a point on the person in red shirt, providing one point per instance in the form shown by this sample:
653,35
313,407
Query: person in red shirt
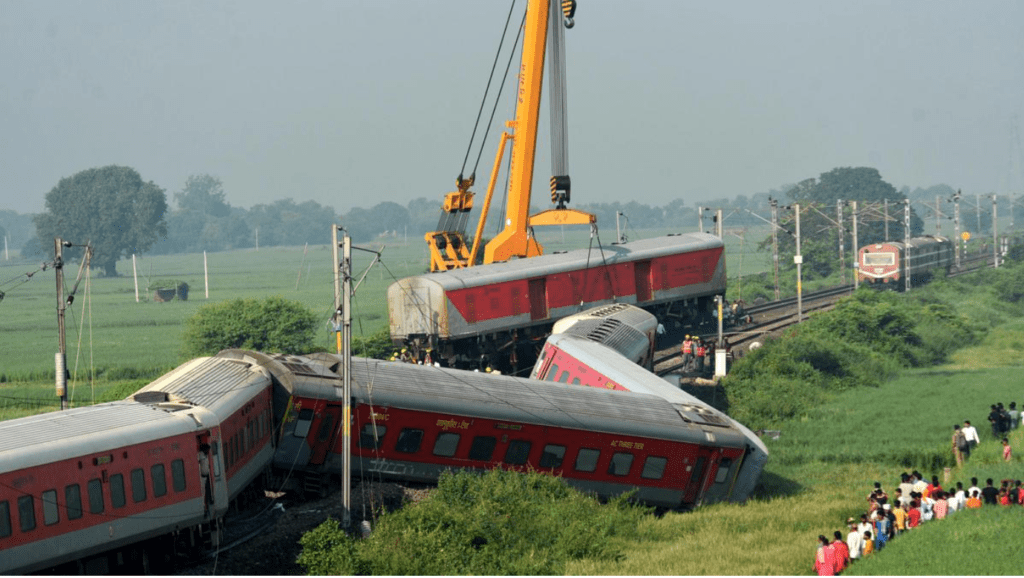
842,552
914,515
824,559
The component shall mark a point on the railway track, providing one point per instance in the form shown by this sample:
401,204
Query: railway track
767,318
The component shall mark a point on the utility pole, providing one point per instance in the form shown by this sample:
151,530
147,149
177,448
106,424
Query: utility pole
775,244
938,222
61,357
343,317
956,226
620,238
995,235
886,220
799,260
842,237
718,224
977,211
856,248
906,243
700,219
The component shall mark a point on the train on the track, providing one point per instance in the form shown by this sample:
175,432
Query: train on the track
104,488
885,264
497,315
589,358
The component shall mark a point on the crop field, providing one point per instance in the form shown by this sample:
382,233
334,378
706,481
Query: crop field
107,327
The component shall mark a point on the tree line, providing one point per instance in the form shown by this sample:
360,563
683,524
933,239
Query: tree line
119,213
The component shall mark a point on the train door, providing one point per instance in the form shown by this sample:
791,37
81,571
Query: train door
698,469
642,280
538,299
325,434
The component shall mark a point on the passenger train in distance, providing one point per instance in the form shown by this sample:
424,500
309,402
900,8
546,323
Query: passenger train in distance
885,264
91,489
498,314
413,422
589,358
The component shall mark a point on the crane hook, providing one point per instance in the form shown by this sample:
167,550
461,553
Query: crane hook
569,23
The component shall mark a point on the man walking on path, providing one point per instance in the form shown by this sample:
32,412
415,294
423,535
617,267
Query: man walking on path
961,449
971,433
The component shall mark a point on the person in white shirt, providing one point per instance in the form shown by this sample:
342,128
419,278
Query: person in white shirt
971,433
952,503
854,541
973,489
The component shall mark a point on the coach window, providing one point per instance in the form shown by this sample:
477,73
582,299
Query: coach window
564,378
620,464
552,456
409,441
303,422
552,372
5,519
446,444
723,470
159,480
371,436
73,501
138,485
27,513
586,459
117,490
517,453
215,450
178,475
51,514
482,448
576,381
654,468
95,489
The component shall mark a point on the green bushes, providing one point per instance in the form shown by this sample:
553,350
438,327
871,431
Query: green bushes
865,340
495,523
274,325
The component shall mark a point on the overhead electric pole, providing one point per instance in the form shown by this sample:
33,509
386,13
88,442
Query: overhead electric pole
60,360
906,243
856,248
956,227
775,244
799,260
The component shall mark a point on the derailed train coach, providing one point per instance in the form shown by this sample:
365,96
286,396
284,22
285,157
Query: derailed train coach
413,422
498,314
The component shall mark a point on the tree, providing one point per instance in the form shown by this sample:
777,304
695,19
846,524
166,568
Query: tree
111,208
273,325
819,233
204,194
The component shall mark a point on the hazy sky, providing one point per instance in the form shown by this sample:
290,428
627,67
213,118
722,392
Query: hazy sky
349,103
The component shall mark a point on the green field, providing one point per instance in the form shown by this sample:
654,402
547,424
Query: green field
108,328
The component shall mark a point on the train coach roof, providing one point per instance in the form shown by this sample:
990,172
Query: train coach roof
571,260
506,398
219,384
60,435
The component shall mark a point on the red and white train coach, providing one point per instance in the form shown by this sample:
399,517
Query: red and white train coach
585,360
413,422
487,310
85,486
885,264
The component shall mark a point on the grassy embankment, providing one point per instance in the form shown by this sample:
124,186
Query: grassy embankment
829,454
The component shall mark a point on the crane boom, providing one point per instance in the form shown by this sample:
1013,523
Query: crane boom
447,244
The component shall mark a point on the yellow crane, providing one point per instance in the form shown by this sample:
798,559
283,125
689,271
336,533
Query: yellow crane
448,249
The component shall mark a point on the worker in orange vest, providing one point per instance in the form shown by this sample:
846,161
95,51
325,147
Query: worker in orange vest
687,353
701,352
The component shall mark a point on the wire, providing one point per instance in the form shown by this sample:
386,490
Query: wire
508,67
483,100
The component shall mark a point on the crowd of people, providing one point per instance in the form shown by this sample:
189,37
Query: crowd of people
918,501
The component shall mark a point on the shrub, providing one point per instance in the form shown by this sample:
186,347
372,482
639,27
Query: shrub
274,325
496,523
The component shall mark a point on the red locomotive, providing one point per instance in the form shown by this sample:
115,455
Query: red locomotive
886,264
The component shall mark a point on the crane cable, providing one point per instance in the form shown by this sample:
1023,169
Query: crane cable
483,100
